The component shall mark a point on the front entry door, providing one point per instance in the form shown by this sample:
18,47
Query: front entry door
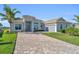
28,26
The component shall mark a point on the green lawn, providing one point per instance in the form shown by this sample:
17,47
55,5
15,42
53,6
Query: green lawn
7,48
64,37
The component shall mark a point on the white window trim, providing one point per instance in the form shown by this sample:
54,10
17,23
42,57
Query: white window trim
18,29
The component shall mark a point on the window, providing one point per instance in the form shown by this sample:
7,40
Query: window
35,26
61,26
18,26
47,29
42,25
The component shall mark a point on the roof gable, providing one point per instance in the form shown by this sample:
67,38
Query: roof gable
56,20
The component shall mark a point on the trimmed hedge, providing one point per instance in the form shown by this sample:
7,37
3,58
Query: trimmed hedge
38,30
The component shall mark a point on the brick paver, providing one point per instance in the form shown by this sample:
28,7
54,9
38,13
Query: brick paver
35,43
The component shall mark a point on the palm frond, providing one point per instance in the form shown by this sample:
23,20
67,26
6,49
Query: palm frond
17,12
9,13
7,8
77,18
14,10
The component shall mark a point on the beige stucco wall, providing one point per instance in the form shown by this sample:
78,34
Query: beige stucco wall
28,18
13,27
19,21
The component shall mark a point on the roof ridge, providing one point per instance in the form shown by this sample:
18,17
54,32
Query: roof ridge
54,19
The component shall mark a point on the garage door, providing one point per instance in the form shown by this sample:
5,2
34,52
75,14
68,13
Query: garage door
51,28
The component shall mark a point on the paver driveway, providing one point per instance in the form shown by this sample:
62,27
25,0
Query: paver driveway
35,43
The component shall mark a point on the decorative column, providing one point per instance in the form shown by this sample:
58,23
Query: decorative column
32,26
24,25
55,27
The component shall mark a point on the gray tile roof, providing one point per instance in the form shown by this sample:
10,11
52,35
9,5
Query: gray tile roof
56,20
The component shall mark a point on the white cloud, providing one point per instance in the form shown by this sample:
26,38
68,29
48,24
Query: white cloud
5,23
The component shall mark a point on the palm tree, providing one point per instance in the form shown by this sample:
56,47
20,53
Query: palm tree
77,18
9,14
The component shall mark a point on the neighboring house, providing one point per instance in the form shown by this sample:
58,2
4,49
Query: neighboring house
57,24
27,24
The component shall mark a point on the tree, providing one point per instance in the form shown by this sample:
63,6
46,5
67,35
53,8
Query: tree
1,24
77,18
9,14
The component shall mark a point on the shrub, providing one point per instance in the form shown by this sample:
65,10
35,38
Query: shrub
6,31
38,30
76,33
1,33
63,31
72,31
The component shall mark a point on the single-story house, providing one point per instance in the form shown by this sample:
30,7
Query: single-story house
30,24
57,24
27,23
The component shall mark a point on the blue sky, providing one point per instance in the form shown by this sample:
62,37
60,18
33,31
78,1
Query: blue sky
45,11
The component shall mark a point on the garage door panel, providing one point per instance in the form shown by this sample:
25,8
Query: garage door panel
51,28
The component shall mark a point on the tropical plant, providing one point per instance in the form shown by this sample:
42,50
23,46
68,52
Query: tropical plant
1,33
77,18
63,31
1,26
6,31
72,31
9,14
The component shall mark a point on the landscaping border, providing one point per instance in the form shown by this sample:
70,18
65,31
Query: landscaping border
14,44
